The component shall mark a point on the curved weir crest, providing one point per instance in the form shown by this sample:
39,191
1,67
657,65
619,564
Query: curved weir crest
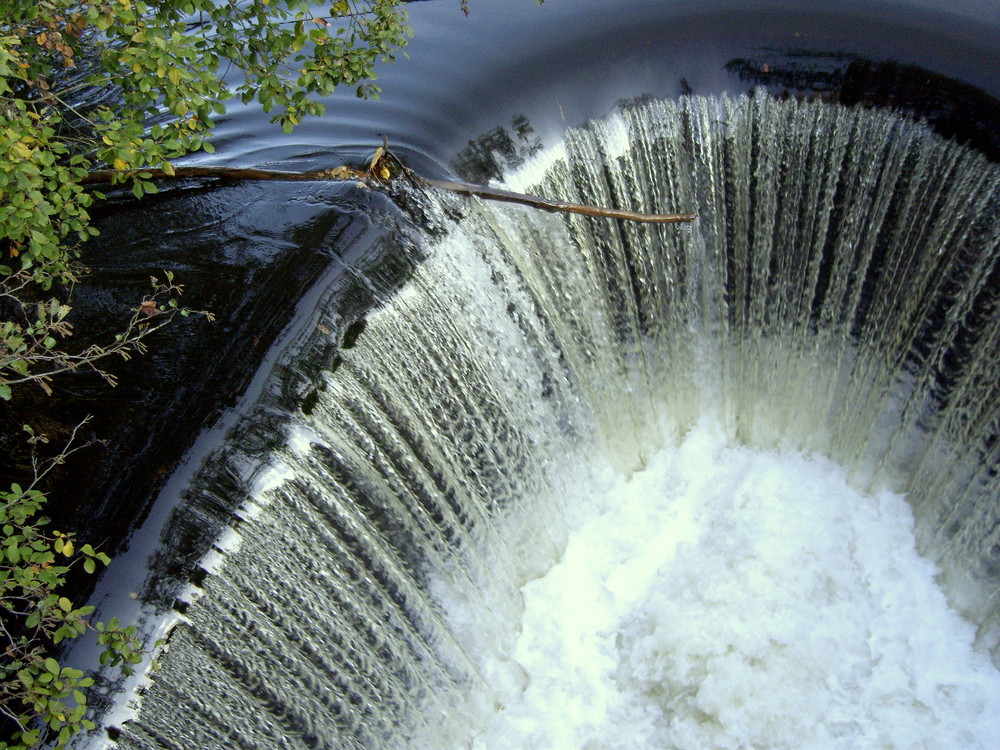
837,297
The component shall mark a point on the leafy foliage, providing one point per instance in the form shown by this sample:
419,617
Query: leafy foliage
132,85
125,85
38,695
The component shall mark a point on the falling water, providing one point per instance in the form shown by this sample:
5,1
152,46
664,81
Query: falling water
837,297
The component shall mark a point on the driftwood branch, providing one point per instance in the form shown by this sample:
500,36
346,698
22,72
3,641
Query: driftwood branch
230,173
547,204
383,167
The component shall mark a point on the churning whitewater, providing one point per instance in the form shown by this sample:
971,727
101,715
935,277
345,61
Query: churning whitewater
725,597
452,558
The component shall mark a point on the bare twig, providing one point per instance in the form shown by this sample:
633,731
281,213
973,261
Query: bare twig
41,468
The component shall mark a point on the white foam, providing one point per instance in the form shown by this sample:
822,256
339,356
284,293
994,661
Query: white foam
535,168
731,598
614,136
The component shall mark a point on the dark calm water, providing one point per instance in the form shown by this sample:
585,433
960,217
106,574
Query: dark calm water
566,61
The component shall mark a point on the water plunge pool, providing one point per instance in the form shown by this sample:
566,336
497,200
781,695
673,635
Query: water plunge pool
836,298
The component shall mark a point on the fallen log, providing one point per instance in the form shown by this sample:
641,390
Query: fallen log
107,176
548,204
383,167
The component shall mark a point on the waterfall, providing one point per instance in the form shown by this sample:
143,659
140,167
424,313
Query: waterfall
837,296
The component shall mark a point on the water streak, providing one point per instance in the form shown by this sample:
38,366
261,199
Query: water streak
838,294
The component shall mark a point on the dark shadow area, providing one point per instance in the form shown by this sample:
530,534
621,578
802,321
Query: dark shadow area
247,253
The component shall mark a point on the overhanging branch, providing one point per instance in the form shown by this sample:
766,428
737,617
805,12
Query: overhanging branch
383,167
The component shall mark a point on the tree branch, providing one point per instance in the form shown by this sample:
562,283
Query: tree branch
383,166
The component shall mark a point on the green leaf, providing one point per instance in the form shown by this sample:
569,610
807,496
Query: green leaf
52,666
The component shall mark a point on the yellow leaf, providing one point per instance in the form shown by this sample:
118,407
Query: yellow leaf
65,604
174,75
340,7
120,165
68,548
107,140
168,168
